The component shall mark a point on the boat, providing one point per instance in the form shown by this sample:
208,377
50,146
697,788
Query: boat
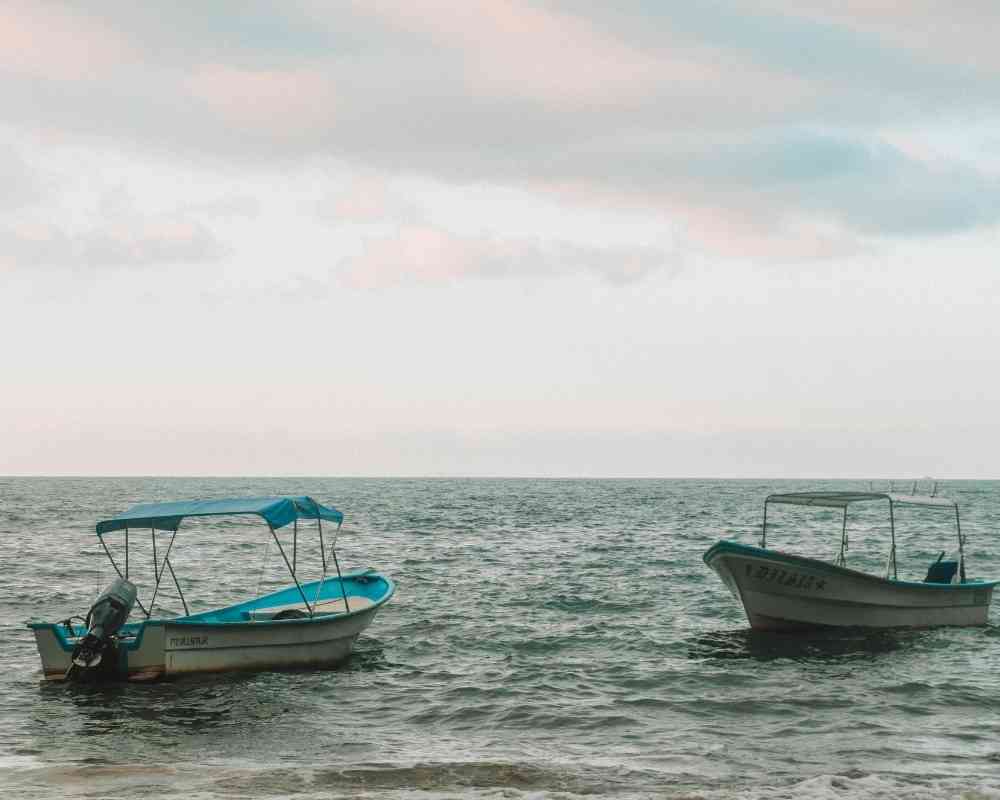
781,591
304,625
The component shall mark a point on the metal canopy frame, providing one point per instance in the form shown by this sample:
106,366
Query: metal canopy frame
160,567
843,500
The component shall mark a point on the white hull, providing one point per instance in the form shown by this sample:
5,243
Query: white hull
779,591
244,637
168,650
198,648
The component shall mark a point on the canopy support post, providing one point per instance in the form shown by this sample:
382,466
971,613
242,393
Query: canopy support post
289,565
961,547
842,561
159,573
126,552
763,529
295,543
152,535
114,564
322,555
322,545
333,552
177,584
892,551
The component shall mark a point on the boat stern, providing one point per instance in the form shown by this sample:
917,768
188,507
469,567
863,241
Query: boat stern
137,653
54,648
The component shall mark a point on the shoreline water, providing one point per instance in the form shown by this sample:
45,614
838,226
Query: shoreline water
548,639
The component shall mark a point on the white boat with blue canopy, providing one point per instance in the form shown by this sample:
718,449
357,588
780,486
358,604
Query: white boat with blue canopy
305,624
783,591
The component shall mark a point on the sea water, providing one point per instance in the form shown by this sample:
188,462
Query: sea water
548,638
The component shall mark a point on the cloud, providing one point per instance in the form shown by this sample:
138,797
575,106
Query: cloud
157,242
139,244
43,40
422,255
21,186
966,37
863,184
274,103
367,200
227,207
34,245
560,58
770,116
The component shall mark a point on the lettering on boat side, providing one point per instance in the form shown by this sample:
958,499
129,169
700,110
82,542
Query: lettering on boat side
784,577
188,641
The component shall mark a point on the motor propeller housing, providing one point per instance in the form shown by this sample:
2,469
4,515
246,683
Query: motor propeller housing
104,619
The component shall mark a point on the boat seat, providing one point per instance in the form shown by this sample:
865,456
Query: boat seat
941,572
354,602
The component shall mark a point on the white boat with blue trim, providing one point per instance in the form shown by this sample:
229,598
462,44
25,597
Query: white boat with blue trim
782,591
311,624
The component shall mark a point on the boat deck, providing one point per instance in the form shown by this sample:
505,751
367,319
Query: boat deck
355,602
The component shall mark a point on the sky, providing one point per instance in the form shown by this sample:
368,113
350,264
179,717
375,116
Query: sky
584,239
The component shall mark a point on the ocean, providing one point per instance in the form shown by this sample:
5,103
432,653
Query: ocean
547,639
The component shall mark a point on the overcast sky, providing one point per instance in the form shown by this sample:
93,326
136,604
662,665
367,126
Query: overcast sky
500,238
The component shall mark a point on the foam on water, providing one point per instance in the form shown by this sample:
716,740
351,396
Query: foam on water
449,780
548,639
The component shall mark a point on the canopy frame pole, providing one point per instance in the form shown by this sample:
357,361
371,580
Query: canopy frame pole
322,555
763,529
126,552
114,564
159,572
263,567
842,560
289,565
892,550
152,535
110,557
961,546
340,577
322,545
295,543
173,574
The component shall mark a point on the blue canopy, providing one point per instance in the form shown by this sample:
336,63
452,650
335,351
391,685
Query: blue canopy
277,511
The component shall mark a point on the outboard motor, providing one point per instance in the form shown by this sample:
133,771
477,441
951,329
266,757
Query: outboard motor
104,619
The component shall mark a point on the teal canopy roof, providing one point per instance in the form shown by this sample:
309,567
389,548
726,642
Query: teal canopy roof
277,511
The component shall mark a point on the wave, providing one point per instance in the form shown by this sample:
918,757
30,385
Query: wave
465,779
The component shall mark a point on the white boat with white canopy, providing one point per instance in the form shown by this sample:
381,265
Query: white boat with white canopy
782,591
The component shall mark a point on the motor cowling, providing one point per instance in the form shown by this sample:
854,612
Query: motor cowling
104,619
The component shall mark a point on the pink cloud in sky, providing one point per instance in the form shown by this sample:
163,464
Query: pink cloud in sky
731,234
517,49
423,255
724,123
278,102
366,200
46,40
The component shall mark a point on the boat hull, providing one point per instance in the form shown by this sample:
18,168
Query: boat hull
242,637
780,591
310,643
